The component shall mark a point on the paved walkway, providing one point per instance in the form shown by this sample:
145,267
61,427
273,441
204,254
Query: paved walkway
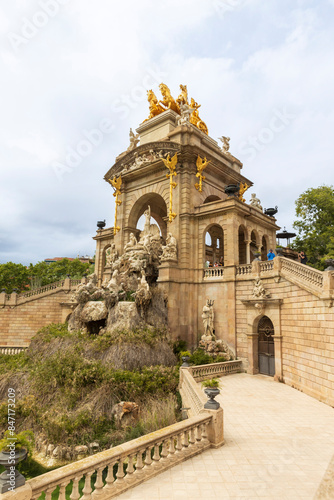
279,443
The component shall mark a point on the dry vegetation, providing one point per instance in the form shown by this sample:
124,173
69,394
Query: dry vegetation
67,383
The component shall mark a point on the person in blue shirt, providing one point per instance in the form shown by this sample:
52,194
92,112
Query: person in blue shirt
271,255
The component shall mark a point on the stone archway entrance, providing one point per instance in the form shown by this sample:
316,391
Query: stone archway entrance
266,346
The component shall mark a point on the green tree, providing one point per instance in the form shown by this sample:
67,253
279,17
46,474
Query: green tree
315,224
43,273
14,276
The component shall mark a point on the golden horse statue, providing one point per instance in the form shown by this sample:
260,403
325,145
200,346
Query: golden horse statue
168,101
154,106
183,97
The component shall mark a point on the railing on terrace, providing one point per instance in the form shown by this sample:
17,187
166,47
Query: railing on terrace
11,349
266,266
213,272
42,289
202,372
243,269
302,272
113,471
75,282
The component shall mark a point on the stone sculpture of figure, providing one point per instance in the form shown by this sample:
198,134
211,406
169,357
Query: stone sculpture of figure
255,202
170,250
111,255
131,244
112,285
208,318
186,111
259,291
147,224
133,140
226,143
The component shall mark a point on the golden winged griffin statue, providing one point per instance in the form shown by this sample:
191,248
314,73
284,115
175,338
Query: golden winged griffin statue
181,105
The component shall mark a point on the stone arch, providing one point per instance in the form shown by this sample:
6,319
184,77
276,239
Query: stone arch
158,211
104,251
265,247
254,243
266,346
242,245
214,251
211,198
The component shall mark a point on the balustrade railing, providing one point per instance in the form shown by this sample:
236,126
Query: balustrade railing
11,349
213,272
304,273
266,266
113,471
243,269
42,289
215,369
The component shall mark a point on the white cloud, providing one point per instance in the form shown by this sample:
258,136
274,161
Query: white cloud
241,68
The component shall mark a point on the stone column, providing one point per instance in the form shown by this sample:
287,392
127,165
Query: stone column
253,353
248,242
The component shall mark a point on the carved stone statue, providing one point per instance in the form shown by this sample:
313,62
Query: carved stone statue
131,244
226,144
111,255
186,111
170,250
134,139
255,202
208,318
259,292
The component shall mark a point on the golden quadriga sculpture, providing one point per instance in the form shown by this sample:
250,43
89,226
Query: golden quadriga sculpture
179,105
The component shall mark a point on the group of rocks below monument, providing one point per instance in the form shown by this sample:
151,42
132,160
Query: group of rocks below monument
130,297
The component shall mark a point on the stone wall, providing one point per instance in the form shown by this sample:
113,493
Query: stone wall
22,316
305,324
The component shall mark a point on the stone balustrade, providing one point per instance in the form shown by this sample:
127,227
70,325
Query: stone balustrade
11,349
213,272
203,372
302,272
243,269
15,299
267,265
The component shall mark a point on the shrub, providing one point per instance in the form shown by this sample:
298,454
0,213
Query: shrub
199,357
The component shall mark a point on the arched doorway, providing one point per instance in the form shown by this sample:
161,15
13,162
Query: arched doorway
214,246
264,250
266,346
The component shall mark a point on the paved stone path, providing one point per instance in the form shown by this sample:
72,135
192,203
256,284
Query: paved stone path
279,444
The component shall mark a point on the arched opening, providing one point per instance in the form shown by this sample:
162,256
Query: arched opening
242,246
104,256
264,249
266,346
253,245
158,213
214,246
211,198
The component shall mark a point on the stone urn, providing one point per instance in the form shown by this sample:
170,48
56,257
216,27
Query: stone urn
211,393
10,478
329,264
232,189
271,211
101,224
185,361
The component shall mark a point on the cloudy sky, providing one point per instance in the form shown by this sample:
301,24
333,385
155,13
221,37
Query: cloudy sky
263,72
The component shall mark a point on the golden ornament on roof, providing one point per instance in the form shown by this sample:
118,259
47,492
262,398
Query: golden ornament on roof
201,165
157,107
243,188
116,184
